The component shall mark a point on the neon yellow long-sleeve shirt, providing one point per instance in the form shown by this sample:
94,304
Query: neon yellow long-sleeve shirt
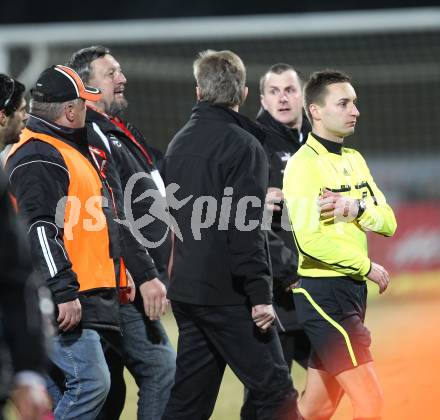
336,248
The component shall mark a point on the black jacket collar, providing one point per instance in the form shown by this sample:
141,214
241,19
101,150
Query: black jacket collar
219,112
281,129
292,134
331,146
102,120
75,136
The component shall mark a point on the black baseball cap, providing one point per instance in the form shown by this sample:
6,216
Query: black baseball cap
62,84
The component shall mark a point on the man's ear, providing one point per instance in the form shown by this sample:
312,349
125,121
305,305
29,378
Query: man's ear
245,93
3,118
315,113
198,93
69,112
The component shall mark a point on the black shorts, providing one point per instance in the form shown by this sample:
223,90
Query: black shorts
332,313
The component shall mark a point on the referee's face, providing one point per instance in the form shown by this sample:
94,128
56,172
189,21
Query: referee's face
337,117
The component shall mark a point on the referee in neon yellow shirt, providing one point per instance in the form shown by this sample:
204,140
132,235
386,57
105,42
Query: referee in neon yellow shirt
332,201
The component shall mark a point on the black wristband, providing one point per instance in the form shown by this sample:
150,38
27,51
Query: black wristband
362,206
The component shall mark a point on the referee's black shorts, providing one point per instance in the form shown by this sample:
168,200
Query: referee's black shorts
332,312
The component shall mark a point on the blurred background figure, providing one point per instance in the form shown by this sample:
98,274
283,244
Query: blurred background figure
12,110
22,335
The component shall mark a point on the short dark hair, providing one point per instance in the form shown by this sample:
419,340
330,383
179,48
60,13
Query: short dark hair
278,68
11,94
315,89
80,60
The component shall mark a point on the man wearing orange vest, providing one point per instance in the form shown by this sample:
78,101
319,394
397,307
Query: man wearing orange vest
61,190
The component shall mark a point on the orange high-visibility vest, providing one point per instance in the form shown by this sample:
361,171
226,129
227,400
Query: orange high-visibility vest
88,250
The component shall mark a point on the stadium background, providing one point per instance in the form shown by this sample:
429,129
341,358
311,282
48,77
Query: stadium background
393,55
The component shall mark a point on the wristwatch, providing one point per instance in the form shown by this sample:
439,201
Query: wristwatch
362,206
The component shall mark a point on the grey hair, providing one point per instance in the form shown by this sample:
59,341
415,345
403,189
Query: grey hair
220,77
50,111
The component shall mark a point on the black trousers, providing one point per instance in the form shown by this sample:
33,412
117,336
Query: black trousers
211,337
295,346
2,406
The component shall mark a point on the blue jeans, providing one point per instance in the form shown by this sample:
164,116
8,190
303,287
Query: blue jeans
80,358
150,358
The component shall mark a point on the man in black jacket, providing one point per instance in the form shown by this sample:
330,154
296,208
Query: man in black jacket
285,126
148,353
22,336
220,284
76,245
